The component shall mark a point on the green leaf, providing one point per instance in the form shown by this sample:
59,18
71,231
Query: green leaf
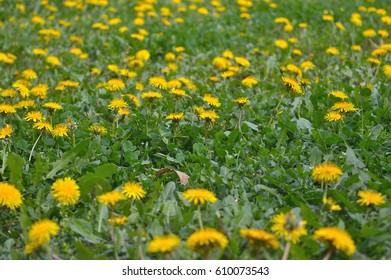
84,228
315,156
351,159
68,157
39,169
252,126
15,164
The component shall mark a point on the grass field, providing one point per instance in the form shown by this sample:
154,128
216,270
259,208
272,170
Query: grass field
195,129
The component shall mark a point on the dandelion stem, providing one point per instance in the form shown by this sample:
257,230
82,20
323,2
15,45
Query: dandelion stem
36,141
199,217
275,110
328,254
73,139
286,250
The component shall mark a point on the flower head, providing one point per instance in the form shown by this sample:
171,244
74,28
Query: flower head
207,238
43,126
98,129
387,70
261,237
326,172
40,234
7,109
6,131
133,190
10,196
199,196
114,84
211,100
111,198
60,130
370,197
331,204
151,95
289,226
163,244
158,82
121,220
175,116
292,85
52,106
242,101
336,237
249,81
178,92
209,116
66,191
333,116
344,107
117,104
339,94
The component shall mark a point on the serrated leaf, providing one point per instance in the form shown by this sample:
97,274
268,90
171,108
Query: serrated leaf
84,228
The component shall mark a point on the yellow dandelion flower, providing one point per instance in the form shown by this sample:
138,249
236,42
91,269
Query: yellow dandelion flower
111,197
25,104
242,101
178,92
207,238
242,61
134,99
369,33
292,85
42,126
227,74
344,107
332,51
22,89
307,65
6,131
52,106
383,33
331,204
333,116
117,104
282,44
211,100
98,129
327,17
340,26
175,116
174,84
370,197
339,94
8,93
199,196
29,74
356,48
249,81
121,220
38,51
336,237
7,109
53,60
41,232
387,70
209,116
374,60
221,63
151,95
158,82
289,226
66,191
114,84
143,55
228,54
163,244
260,236
123,111
133,190
326,172
34,116
39,90
60,130
10,196
293,69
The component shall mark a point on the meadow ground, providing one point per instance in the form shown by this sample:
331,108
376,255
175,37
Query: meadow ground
195,129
